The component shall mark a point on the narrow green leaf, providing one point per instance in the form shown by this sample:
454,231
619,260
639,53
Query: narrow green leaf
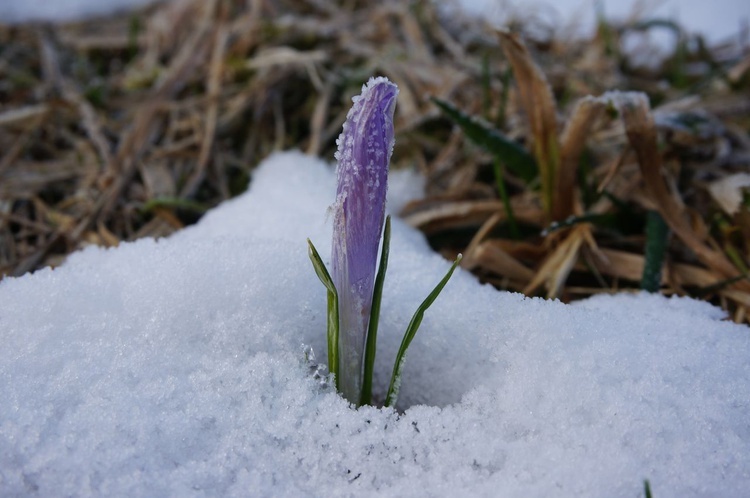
515,157
647,489
657,233
333,310
174,203
411,331
372,329
498,167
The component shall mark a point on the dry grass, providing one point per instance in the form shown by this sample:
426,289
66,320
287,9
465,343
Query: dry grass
132,126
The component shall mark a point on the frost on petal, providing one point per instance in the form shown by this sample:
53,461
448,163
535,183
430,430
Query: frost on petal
364,152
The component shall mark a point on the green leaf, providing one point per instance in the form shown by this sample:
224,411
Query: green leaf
411,331
513,226
657,233
515,157
372,329
647,489
174,202
333,310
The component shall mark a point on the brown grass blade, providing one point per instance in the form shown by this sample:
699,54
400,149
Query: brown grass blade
174,78
740,297
318,119
89,117
539,104
629,266
468,261
433,216
641,132
491,257
213,84
29,113
559,263
586,112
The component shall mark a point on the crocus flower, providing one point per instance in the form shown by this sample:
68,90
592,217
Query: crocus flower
355,290
364,152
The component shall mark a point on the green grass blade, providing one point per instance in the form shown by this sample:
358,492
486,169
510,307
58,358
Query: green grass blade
647,489
411,331
512,225
657,233
333,310
174,203
372,329
515,157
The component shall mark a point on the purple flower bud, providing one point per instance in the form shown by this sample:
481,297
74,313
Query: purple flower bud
364,151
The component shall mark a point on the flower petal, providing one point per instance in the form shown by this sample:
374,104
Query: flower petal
364,152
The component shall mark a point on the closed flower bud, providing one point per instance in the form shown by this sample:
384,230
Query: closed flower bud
364,153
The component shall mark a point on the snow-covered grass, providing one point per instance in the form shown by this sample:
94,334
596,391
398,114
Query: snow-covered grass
174,368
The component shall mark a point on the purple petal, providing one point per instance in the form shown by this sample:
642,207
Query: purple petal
364,151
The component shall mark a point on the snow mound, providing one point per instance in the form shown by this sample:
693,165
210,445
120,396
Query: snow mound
174,368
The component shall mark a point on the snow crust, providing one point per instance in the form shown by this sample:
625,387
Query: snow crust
174,368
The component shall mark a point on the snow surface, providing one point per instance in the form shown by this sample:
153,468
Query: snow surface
174,368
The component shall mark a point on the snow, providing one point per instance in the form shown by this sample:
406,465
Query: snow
717,19
175,368
14,11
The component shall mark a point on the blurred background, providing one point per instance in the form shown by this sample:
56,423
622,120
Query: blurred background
135,123
715,19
